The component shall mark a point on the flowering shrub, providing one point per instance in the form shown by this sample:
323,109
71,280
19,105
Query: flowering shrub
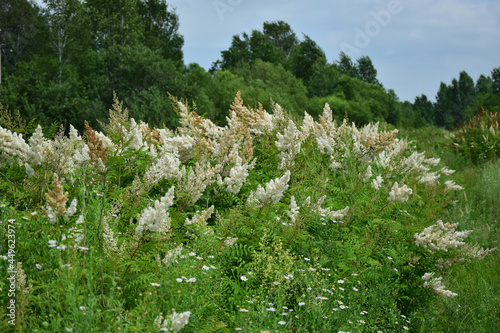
479,138
266,223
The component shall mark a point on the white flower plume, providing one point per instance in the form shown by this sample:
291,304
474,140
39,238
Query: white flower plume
398,193
273,191
441,236
156,219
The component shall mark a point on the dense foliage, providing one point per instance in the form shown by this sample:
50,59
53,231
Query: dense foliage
62,63
479,138
457,102
264,224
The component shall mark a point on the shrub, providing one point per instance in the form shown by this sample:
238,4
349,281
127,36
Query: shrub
479,138
264,224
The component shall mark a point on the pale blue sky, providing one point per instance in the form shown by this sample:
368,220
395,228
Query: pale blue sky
414,44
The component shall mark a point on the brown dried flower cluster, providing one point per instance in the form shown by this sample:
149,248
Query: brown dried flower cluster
247,116
379,140
96,147
242,121
150,135
57,198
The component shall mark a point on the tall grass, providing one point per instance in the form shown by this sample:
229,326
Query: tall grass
477,306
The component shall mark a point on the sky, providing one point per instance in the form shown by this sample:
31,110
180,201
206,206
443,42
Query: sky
414,44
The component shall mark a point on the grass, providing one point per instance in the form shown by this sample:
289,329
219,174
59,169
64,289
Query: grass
477,306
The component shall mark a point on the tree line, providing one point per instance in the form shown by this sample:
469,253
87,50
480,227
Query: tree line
64,61
456,102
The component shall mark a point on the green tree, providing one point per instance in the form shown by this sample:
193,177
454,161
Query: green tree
199,87
274,44
484,85
115,22
67,29
264,81
466,90
263,48
495,77
281,36
161,29
407,115
362,102
485,98
95,48
324,80
305,56
454,96
366,71
36,92
347,86
346,66
394,108
425,108
444,106
238,52
23,32
136,73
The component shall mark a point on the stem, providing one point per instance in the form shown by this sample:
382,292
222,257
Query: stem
83,210
99,238
10,181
